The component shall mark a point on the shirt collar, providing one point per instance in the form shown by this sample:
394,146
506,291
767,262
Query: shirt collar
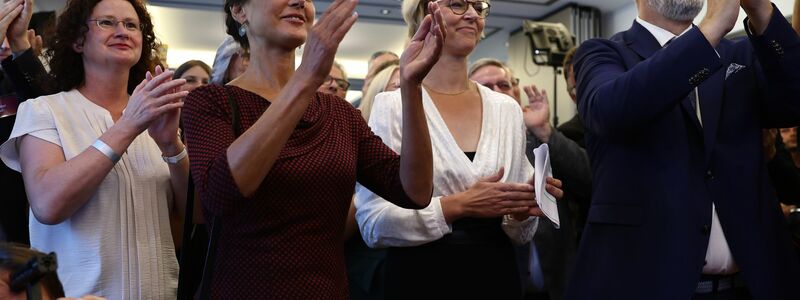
662,35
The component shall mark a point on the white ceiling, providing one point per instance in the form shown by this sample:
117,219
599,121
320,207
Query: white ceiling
192,29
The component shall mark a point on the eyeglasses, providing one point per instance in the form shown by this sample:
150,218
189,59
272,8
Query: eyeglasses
109,23
502,85
460,7
340,83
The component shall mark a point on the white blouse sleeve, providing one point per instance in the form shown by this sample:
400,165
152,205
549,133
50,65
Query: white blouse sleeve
520,232
35,118
382,223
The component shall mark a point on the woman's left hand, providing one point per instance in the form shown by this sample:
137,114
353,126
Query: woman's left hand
164,129
552,186
425,47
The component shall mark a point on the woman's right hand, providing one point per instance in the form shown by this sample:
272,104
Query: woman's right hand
425,47
323,41
152,98
490,198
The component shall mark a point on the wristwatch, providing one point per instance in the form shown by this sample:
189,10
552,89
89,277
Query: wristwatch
175,159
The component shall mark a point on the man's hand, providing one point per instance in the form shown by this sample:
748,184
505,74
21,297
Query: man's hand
537,113
759,13
719,20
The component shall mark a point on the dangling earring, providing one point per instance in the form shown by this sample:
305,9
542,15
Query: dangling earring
243,29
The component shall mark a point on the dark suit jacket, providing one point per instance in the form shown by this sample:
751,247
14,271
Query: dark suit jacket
556,247
26,75
657,170
574,130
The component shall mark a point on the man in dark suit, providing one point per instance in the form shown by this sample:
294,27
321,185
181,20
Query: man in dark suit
682,206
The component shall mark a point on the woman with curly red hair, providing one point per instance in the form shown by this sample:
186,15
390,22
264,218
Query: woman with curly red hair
102,191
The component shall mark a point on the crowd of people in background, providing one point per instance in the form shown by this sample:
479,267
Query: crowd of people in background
254,178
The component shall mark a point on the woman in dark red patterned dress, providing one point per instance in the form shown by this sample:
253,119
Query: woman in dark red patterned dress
283,186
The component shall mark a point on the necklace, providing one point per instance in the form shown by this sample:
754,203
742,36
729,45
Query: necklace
448,94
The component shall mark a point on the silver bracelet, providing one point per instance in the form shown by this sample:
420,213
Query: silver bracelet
175,159
106,150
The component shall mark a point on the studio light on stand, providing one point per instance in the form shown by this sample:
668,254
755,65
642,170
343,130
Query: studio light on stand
549,45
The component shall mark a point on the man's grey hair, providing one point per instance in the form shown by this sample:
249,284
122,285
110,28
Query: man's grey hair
677,10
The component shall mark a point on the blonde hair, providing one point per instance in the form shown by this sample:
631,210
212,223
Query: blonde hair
377,86
413,13
489,62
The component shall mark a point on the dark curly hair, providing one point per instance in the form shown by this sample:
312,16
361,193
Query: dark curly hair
66,65
232,27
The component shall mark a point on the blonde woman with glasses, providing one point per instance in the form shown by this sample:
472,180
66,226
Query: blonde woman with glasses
460,246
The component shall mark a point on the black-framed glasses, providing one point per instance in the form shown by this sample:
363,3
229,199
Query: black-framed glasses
340,83
460,7
110,23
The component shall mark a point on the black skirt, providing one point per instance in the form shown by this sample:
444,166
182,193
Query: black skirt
475,261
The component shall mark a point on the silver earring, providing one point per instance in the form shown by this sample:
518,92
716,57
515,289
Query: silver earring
243,30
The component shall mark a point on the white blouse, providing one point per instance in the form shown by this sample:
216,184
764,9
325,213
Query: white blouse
119,244
501,144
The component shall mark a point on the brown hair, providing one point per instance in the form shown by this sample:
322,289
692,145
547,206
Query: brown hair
15,257
191,64
66,65
568,61
232,27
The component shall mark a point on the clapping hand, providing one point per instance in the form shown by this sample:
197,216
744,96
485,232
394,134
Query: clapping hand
324,38
552,186
164,128
155,105
720,18
425,47
759,13
489,197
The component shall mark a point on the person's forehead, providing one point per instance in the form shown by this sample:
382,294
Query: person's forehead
115,8
383,58
490,70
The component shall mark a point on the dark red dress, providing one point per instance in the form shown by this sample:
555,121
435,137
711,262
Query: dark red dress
285,242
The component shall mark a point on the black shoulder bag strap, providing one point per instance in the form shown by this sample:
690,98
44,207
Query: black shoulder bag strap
216,223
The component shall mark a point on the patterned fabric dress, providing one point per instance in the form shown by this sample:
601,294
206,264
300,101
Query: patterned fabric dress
285,241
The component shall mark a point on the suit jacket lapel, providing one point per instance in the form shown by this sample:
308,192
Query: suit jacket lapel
645,45
641,41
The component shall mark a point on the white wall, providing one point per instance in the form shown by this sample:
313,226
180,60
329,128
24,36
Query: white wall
622,18
495,46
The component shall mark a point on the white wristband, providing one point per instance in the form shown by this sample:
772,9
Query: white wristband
106,150
175,159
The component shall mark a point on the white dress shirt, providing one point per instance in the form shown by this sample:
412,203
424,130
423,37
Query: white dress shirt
501,144
719,259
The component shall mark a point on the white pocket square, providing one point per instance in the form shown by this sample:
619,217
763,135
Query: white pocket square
732,69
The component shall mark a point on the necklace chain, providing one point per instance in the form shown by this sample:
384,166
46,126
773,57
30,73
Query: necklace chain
449,94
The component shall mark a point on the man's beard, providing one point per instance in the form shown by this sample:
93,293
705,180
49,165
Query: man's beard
677,10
